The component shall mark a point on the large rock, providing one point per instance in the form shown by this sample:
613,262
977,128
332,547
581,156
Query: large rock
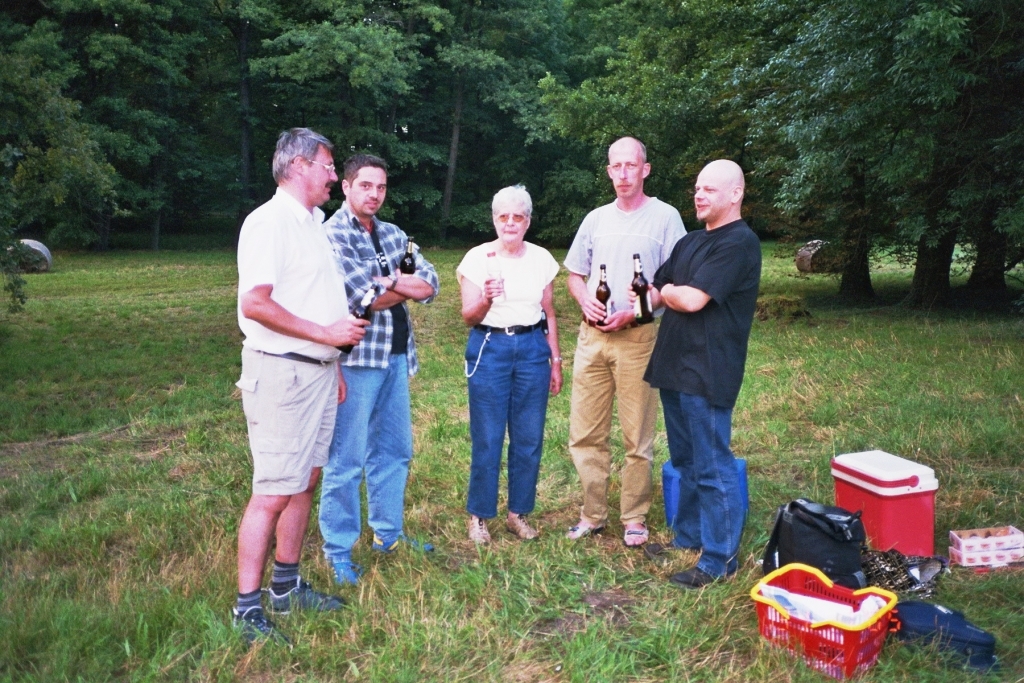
36,258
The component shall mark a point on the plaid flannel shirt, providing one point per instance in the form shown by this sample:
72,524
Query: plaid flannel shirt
357,259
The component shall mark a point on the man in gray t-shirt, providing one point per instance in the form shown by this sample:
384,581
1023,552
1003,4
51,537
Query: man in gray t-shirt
613,350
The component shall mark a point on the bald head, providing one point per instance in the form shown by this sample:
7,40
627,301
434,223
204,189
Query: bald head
718,195
628,145
627,169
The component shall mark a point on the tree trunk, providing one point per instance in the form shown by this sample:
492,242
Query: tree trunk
930,286
104,243
453,157
248,198
392,125
988,275
855,283
156,230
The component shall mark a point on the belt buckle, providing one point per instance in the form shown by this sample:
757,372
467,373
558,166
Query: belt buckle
510,331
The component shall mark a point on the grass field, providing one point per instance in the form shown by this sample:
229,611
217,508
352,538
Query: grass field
124,469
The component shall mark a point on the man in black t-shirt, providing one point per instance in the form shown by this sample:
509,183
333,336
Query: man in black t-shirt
709,286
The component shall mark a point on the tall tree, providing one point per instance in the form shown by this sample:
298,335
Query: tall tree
663,71
53,176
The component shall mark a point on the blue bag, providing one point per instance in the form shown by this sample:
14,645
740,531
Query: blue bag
922,622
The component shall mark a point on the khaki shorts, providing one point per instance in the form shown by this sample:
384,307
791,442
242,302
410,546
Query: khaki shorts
290,408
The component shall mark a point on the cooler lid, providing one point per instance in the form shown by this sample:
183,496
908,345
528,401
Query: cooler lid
884,473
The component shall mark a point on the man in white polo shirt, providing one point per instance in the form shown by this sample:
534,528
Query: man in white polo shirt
292,311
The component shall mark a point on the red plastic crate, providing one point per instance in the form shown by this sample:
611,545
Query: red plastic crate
835,649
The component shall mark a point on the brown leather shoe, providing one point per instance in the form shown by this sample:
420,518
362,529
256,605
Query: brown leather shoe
478,530
518,525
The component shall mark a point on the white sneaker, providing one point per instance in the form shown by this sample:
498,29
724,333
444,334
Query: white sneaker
478,530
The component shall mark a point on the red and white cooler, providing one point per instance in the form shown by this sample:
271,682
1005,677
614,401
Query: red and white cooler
895,496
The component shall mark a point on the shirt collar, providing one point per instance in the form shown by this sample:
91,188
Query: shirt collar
296,207
351,219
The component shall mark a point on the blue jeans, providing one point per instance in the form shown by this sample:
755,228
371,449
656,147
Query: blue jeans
710,514
372,435
507,387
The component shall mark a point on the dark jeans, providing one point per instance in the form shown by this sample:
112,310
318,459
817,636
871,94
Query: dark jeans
711,511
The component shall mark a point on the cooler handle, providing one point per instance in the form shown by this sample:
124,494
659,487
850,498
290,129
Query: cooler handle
912,480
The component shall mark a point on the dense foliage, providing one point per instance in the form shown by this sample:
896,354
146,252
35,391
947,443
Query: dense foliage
881,125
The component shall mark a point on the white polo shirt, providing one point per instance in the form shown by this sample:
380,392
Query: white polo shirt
283,245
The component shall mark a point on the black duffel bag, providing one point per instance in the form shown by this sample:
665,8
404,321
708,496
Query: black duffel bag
826,537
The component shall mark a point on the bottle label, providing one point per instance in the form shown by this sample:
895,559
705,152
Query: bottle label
638,307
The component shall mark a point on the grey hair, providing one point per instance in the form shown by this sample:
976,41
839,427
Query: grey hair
297,142
516,195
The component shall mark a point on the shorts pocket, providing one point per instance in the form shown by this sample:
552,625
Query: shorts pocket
275,462
284,446
246,383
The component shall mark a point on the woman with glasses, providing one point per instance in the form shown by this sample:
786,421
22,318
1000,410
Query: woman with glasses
512,362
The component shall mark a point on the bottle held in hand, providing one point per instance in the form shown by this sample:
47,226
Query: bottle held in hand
642,303
604,294
407,266
363,311
494,271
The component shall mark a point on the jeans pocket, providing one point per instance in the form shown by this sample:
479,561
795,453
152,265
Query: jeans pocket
541,343
475,351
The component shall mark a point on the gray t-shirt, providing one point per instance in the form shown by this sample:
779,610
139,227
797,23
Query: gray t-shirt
611,236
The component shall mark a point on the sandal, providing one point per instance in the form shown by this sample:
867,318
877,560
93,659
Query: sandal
582,530
636,535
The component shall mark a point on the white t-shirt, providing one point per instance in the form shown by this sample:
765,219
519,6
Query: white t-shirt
283,245
611,236
525,279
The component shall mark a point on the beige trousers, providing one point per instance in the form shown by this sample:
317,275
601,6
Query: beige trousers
611,366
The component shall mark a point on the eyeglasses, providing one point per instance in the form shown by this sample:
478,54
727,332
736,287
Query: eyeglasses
517,218
329,167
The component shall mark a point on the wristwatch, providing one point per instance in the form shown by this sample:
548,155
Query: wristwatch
394,283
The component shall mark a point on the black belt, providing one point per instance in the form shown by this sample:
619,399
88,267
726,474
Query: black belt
515,329
630,326
302,359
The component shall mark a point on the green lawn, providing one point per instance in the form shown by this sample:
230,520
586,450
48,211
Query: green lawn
124,469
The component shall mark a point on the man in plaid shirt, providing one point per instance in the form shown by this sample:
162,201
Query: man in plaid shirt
373,432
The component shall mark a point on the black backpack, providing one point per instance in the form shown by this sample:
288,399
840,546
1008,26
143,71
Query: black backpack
822,536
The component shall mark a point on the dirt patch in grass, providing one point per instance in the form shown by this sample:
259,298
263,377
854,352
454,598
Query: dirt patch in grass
612,605
566,625
527,672
43,455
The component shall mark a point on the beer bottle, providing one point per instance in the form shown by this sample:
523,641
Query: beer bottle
363,311
407,266
604,293
642,304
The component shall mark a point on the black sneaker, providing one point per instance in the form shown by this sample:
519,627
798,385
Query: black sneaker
302,596
694,578
253,625
656,552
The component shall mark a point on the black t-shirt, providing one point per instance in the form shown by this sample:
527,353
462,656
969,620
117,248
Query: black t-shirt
399,318
704,353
